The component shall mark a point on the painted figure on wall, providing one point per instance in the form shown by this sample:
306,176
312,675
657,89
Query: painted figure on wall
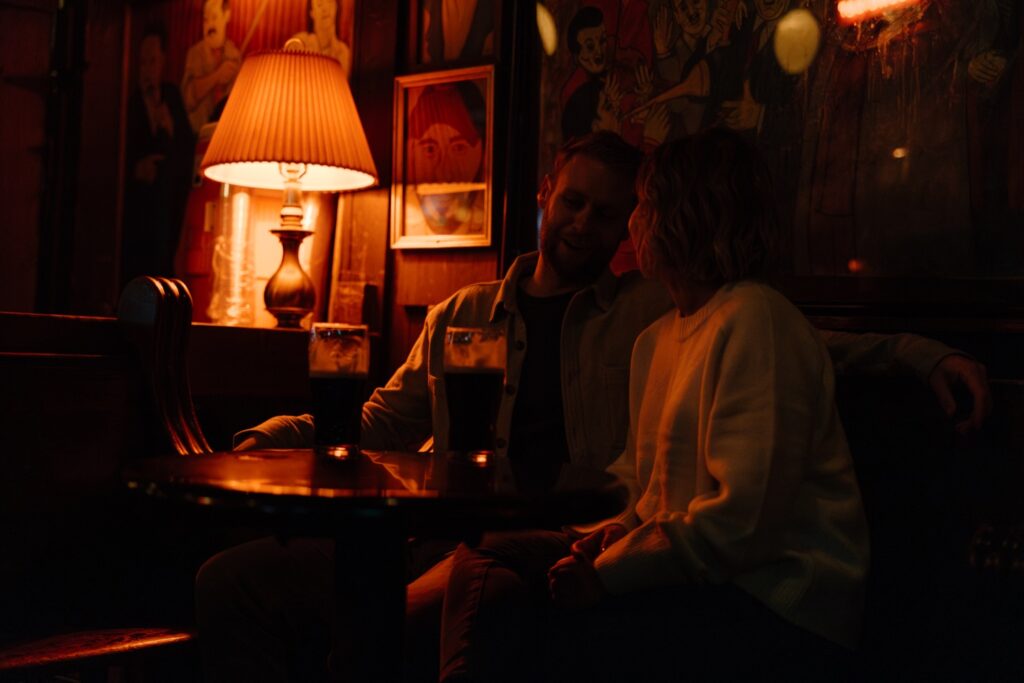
210,65
321,34
897,153
444,158
901,145
158,164
456,30
610,85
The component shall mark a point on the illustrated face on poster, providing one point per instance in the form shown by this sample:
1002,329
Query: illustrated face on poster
593,44
324,14
691,15
215,21
321,34
151,65
445,153
771,9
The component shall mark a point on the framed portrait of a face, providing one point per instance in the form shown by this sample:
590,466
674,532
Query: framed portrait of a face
441,196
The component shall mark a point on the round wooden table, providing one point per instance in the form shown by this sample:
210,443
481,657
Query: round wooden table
371,504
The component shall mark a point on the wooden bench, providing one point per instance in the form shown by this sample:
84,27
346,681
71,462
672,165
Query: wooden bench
91,577
934,610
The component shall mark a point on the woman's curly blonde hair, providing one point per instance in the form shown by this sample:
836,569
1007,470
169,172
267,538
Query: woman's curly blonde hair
711,210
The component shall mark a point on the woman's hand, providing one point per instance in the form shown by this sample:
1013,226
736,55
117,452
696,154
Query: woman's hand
574,583
589,547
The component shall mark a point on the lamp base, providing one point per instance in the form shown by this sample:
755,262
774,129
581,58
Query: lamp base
290,295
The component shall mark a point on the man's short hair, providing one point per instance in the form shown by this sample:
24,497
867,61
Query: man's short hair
712,210
587,17
605,147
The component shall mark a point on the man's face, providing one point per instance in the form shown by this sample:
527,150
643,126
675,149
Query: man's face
444,155
593,43
586,209
215,19
691,15
151,64
324,14
771,9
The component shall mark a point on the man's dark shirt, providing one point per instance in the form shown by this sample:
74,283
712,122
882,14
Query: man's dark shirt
537,435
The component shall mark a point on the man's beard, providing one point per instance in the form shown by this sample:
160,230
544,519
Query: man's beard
581,272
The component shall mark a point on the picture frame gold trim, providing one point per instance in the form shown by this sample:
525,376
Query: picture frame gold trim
419,234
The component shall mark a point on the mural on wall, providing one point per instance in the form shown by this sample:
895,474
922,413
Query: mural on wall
453,31
898,152
184,57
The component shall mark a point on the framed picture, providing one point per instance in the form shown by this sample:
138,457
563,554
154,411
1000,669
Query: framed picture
445,33
182,58
441,195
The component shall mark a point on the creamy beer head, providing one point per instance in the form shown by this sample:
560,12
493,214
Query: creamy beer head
474,349
338,350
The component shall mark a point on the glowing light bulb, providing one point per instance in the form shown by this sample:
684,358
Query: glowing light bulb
900,153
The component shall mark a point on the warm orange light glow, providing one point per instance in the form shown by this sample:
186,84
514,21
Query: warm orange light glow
859,10
855,265
548,30
900,153
290,107
480,458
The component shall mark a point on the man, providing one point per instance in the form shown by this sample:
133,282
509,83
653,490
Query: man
570,327
210,65
159,143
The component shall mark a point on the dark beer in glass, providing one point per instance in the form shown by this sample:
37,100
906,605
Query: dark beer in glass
339,358
474,372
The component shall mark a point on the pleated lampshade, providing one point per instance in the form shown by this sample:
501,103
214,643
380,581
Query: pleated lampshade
290,106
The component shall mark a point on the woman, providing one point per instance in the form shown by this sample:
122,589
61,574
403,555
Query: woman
745,549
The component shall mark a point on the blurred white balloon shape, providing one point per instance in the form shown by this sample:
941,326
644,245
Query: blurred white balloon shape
547,29
797,38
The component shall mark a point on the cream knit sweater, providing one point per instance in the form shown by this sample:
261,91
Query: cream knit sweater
739,464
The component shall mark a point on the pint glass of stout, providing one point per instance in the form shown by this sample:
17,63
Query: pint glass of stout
474,371
339,358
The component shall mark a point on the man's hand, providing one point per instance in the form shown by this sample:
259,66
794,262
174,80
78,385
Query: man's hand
574,583
742,114
956,370
987,68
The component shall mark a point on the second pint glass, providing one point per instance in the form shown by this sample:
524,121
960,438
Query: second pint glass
474,371
339,358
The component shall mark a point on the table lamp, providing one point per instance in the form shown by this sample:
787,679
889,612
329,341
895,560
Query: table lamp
290,123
